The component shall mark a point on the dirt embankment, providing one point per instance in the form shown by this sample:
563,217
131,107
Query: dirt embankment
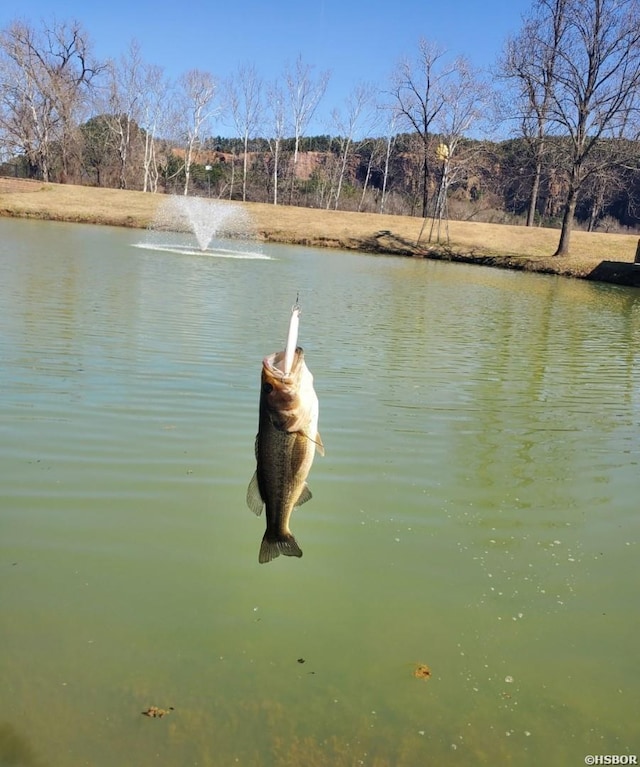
596,256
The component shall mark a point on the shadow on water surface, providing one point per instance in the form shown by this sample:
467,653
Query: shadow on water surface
15,749
619,272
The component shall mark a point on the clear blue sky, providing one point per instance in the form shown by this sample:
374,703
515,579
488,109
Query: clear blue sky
358,40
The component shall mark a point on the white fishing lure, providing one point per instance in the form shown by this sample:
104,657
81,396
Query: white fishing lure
292,339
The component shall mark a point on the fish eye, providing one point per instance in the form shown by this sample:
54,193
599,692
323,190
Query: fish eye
267,388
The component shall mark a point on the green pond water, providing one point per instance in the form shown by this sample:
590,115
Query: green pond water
476,510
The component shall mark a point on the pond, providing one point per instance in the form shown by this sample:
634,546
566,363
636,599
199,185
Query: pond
476,511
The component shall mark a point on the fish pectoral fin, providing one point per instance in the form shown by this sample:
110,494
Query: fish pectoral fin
317,441
304,496
254,499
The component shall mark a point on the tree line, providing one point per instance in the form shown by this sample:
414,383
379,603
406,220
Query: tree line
566,89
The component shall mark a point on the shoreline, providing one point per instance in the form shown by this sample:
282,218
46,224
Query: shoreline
595,256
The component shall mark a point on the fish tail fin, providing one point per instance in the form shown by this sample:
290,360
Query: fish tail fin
274,545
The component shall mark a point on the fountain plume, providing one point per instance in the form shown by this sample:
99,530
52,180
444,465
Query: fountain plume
206,222
204,218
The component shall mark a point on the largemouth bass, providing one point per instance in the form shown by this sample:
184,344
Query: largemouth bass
285,447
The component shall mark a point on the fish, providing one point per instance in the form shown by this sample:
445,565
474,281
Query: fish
285,447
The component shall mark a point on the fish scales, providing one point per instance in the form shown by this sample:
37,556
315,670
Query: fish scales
286,443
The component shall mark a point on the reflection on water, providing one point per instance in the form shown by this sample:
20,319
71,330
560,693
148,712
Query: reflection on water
476,511
211,252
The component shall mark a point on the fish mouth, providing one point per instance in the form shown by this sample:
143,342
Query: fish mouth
272,367
285,397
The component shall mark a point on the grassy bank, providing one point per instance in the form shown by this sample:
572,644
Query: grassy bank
605,257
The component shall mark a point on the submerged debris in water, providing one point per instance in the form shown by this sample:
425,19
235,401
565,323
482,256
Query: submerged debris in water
157,713
422,671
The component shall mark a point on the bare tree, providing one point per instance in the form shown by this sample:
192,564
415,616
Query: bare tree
529,65
390,140
596,89
124,101
153,118
134,108
304,94
45,78
600,189
196,92
358,116
244,101
419,91
463,107
372,149
277,111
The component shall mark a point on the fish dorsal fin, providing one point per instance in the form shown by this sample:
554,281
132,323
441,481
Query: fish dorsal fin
254,499
305,495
